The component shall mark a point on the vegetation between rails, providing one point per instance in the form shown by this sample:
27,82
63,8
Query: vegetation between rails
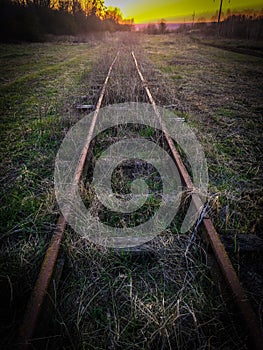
108,298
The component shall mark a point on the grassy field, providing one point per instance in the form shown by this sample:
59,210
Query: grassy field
221,91
39,85
127,304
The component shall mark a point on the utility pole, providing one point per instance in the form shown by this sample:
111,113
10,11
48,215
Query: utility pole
219,12
193,16
219,16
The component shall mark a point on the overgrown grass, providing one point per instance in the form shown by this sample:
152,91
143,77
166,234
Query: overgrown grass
221,91
160,299
165,298
36,111
40,84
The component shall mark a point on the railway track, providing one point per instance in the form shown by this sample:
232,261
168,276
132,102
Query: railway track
209,234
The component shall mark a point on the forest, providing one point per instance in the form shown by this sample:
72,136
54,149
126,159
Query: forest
37,20
33,20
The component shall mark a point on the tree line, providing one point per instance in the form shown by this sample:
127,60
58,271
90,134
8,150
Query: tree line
33,20
247,25
242,27
152,28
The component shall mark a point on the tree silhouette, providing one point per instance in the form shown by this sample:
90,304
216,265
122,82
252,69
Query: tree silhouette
162,26
32,20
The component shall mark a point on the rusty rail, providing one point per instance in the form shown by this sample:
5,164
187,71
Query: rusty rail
39,293
225,265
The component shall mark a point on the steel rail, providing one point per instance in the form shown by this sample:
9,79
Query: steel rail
223,260
39,293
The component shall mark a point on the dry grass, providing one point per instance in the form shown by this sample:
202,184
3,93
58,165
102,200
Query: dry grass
221,93
160,298
38,88
164,297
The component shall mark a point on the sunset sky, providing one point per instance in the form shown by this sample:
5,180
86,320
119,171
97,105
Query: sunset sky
177,10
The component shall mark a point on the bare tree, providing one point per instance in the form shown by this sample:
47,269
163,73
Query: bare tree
162,26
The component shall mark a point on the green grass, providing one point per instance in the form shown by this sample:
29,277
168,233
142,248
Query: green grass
35,112
39,85
221,92
109,298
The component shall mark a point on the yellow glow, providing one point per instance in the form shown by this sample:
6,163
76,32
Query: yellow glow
177,10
